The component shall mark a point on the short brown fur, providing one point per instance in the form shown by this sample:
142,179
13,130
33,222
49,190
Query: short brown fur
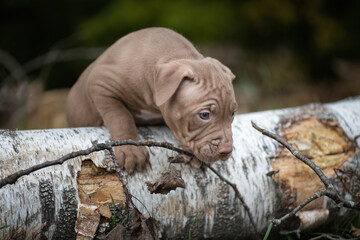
152,76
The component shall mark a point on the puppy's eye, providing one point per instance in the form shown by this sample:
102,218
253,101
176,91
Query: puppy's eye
204,115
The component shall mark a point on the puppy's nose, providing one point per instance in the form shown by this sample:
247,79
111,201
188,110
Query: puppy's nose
225,148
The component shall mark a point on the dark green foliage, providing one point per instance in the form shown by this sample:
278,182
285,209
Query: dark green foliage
316,32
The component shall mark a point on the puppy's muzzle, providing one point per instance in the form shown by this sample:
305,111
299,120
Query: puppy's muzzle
225,150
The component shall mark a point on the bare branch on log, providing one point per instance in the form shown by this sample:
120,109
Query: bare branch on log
11,179
329,188
316,195
298,155
237,193
95,148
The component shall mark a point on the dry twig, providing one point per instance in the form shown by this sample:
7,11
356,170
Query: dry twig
329,190
11,179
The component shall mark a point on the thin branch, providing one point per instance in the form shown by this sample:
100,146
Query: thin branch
14,68
316,195
11,179
237,193
60,56
341,202
342,180
128,195
297,154
118,170
329,188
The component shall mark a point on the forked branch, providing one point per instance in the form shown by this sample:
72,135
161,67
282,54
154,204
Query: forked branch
329,190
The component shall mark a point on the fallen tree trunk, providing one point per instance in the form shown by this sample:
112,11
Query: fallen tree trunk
71,200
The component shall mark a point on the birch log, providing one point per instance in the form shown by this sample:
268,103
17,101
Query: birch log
67,201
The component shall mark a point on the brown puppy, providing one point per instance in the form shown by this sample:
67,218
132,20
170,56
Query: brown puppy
155,75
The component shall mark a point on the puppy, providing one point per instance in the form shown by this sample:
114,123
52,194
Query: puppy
153,76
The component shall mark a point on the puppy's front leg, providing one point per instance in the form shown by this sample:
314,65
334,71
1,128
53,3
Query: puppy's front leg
121,125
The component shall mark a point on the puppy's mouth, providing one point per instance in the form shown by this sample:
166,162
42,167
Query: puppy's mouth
210,153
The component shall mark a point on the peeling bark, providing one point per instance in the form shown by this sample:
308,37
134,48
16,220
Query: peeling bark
170,180
71,200
322,141
94,188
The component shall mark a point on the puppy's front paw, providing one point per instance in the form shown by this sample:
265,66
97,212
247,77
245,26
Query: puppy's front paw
132,157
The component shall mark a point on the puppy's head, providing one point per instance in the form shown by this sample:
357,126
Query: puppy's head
197,101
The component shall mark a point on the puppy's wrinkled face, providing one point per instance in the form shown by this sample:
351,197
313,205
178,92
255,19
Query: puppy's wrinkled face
202,109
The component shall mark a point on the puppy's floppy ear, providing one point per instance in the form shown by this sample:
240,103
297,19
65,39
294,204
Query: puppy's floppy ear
225,69
168,78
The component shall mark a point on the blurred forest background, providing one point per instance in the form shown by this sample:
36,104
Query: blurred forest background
283,52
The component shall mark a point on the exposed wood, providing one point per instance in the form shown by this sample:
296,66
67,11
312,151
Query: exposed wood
52,201
94,187
321,140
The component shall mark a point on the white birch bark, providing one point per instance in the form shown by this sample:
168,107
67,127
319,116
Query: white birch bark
46,201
